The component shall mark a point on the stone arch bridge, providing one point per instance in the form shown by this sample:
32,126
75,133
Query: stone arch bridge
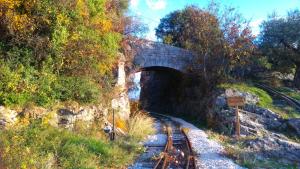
169,64
148,54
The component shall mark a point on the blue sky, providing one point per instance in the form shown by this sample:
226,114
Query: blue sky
151,11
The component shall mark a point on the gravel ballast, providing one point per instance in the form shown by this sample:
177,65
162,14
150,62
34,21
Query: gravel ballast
209,152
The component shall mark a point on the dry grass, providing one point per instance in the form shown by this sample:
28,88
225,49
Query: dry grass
140,125
135,108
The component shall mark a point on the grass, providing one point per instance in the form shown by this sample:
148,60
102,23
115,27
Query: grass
286,111
265,100
140,125
38,145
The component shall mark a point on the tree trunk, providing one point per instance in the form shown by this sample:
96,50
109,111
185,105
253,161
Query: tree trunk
297,76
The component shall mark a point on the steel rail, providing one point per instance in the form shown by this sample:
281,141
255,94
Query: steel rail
165,159
165,152
191,155
291,101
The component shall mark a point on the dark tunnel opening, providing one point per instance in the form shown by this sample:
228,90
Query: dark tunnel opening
169,91
160,87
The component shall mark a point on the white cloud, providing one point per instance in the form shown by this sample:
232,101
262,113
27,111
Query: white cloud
152,25
134,3
255,26
156,4
151,36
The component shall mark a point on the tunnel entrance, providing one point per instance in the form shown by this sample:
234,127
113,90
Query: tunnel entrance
169,91
160,89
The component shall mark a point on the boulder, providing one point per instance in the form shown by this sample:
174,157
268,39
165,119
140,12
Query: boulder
266,117
250,99
67,118
275,145
7,117
86,114
34,112
221,101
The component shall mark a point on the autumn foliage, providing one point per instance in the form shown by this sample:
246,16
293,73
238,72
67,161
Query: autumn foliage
49,47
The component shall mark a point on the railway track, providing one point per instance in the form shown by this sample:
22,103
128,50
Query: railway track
177,152
291,101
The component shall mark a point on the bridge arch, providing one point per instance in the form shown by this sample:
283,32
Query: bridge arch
150,54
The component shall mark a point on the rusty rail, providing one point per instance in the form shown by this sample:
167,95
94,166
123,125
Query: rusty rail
191,155
168,145
166,159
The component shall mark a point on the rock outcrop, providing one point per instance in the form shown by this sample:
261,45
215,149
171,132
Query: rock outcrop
254,120
67,118
64,117
261,123
294,124
121,102
7,117
250,99
275,145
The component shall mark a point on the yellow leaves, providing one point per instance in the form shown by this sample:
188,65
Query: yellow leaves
62,19
50,119
29,4
106,25
20,22
99,21
22,122
103,68
17,22
75,36
82,8
9,4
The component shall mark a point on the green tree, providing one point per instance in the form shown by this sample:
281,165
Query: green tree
280,40
220,40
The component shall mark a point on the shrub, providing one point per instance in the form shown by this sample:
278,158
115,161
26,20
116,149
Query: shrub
45,93
80,89
53,51
16,84
20,85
